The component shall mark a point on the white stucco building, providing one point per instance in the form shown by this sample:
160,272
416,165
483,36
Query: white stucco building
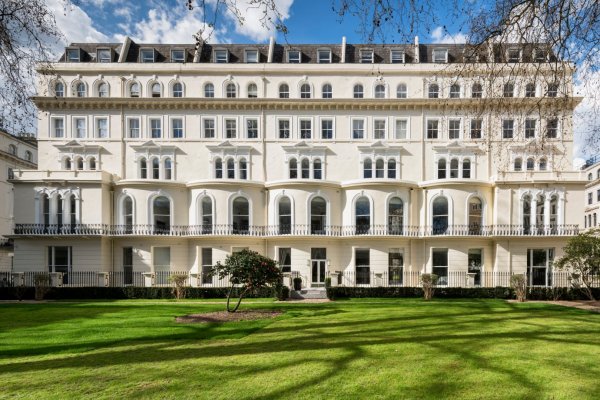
366,163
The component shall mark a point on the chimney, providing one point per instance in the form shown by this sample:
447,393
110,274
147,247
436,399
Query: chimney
271,49
417,50
343,60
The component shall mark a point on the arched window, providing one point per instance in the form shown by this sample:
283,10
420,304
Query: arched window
508,90
79,163
540,209
284,91
530,90
59,212
80,89
391,168
103,89
71,217
543,164
380,91
362,215
317,169
231,90
177,89
134,90
440,216
318,216
12,149
454,168
127,214
590,176
401,92
518,164
293,168
155,89
67,164
92,163
252,91
395,216
455,91
161,209
554,213
530,164
379,168
241,216
442,168
367,168
327,91
155,168
285,216
477,91
206,215
28,155
358,91
230,169
45,201
59,89
305,168
434,91
168,168
466,172
143,168
209,90
475,216
526,214
305,91
597,174
243,165
218,168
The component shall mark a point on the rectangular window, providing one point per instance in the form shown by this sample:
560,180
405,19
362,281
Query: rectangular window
161,263
128,265
80,128
103,55
440,56
589,198
177,56
147,55
358,129
363,266
58,127
454,129
439,265
73,55
102,128
60,259
539,266
284,128
514,55
133,128
230,128
401,129
294,56
476,125
598,195
305,129
177,128
530,128
285,259
252,128
221,56
366,56
155,128
251,56
379,129
207,264
208,128
552,128
326,129
433,129
396,267
540,55
397,56
475,264
324,56
508,127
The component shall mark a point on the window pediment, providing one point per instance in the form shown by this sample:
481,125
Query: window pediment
227,149
151,148
535,146
302,148
380,149
457,148
74,148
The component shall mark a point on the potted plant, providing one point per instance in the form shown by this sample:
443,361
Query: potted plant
297,283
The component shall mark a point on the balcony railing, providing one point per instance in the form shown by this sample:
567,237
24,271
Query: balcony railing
294,230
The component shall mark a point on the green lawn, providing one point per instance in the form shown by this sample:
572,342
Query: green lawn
371,349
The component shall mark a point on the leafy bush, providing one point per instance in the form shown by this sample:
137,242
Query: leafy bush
178,282
41,283
519,284
283,293
428,281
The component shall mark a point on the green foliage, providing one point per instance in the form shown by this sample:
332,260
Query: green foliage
41,282
178,282
283,293
582,260
428,281
519,283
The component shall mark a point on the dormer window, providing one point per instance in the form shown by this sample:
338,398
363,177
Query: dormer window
514,55
251,56
440,56
178,56
147,55
540,55
73,55
294,57
366,56
397,56
103,55
221,56
324,56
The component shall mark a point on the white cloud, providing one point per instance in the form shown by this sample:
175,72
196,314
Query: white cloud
124,12
439,36
252,26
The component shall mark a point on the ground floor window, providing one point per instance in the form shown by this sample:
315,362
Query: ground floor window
60,259
439,265
318,261
539,267
207,264
161,262
363,266
475,265
285,259
395,267
128,265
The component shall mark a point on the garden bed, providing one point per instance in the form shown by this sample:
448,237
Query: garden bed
224,316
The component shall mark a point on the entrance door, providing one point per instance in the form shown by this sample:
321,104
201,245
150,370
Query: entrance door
318,265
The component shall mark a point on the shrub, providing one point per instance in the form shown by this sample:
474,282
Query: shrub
428,281
283,293
178,282
519,284
41,283
297,283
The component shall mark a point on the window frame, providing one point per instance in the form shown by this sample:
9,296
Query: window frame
179,60
353,128
143,58
248,52
279,127
321,60
504,128
437,129
301,135
378,129
325,119
402,58
407,133
204,127
451,129
128,127
101,59
436,60
218,56
53,127
247,120
151,128
291,60
68,57
475,129
172,120
227,129
366,56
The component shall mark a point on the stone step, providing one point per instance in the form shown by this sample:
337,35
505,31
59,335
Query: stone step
308,294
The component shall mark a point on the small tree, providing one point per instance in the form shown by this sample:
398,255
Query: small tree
582,260
249,269
428,281
41,281
178,282
519,283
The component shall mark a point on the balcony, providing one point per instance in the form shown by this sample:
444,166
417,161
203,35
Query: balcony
296,230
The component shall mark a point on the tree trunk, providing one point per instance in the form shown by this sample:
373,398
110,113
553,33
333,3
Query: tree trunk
238,302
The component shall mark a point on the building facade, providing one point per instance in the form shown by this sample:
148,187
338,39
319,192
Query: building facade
364,163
